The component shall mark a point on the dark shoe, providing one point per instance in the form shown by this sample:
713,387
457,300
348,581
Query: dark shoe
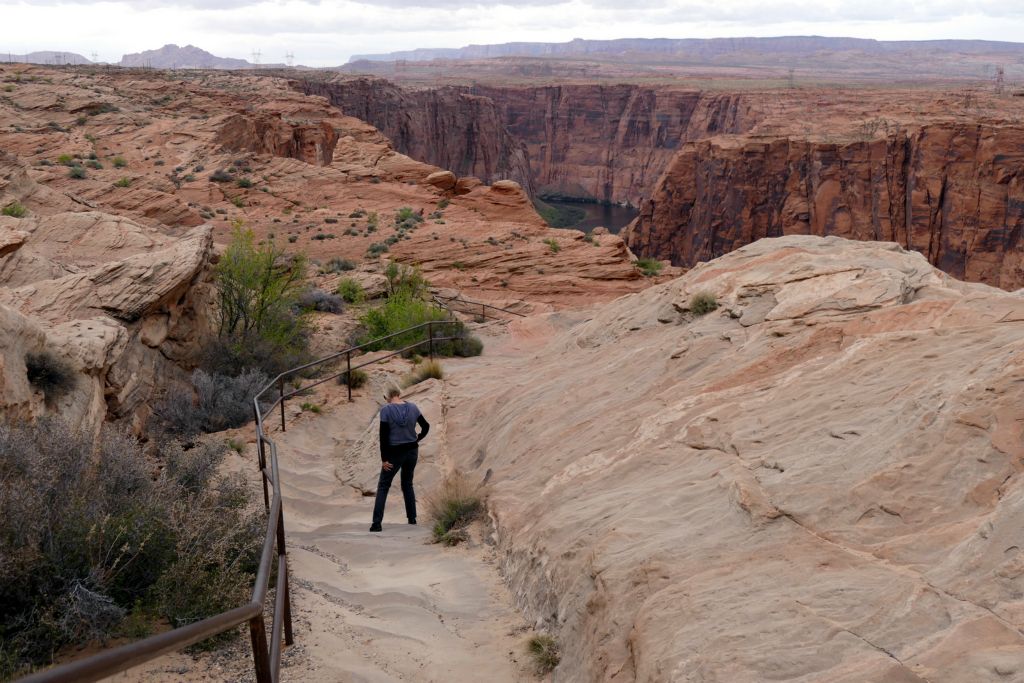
375,527
412,521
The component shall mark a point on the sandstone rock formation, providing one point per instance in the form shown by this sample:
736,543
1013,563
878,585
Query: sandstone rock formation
818,481
953,191
447,127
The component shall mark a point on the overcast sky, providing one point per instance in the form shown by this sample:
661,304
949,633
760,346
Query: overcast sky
328,33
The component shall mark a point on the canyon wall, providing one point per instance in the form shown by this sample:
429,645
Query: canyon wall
446,127
953,191
611,143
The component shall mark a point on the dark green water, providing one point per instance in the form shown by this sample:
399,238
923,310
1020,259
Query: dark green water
610,216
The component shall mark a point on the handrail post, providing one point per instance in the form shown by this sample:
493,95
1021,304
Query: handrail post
430,332
260,653
280,388
287,601
348,374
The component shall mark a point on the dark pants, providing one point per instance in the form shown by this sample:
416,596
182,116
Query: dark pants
403,457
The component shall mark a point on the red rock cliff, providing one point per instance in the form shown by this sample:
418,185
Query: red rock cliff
952,191
611,143
447,127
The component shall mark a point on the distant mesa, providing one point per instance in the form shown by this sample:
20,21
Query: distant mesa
699,49
52,57
175,57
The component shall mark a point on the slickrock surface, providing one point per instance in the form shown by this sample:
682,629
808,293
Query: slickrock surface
818,481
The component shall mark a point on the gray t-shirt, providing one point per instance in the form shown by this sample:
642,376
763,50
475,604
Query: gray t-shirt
401,419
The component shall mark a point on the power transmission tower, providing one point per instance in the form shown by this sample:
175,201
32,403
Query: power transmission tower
792,78
94,56
1000,80
256,57
289,59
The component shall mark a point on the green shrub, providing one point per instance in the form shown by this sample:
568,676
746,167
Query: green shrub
376,249
401,310
553,245
14,209
649,266
293,238
221,176
244,183
358,378
321,301
351,291
408,216
119,162
49,374
428,369
238,202
93,164
311,407
543,649
455,504
77,172
703,303
65,160
123,182
262,323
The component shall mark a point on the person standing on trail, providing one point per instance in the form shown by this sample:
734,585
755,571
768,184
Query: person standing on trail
399,450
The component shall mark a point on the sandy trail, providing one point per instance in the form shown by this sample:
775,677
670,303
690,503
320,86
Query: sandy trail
373,607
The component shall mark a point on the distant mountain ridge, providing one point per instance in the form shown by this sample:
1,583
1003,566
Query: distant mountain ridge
45,57
173,57
698,48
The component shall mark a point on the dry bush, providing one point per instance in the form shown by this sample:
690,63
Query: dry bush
543,650
213,403
703,303
87,536
428,369
455,504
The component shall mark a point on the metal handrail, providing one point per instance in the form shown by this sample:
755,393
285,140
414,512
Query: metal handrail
266,657
441,301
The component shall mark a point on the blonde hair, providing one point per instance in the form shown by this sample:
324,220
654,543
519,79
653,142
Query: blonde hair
392,392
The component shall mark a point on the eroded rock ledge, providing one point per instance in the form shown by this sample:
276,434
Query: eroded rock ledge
818,481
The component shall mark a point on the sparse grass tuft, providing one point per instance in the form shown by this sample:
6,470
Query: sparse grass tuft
649,266
311,408
543,650
703,303
359,378
455,504
123,182
14,210
119,162
77,172
428,369
553,245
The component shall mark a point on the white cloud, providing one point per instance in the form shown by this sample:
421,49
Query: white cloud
324,33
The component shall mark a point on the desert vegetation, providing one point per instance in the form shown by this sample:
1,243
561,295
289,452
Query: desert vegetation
450,508
99,541
543,650
649,266
703,303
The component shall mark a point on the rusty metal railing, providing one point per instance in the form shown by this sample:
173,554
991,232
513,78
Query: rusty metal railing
266,654
447,301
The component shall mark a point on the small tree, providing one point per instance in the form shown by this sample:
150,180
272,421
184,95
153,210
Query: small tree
260,287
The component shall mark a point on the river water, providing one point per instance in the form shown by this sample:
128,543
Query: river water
611,216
